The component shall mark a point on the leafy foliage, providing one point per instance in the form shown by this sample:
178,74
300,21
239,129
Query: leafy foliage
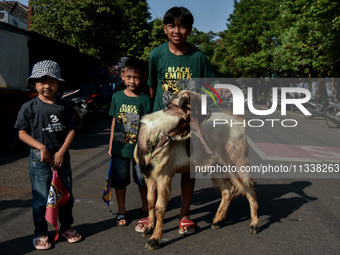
282,37
203,41
100,28
135,27
308,36
156,38
263,37
244,49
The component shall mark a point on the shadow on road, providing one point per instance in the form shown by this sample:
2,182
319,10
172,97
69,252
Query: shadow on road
277,207
23,245
272,200
14,155
94,134
278,201
15,203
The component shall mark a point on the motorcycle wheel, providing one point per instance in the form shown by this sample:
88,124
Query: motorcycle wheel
330,118
310,109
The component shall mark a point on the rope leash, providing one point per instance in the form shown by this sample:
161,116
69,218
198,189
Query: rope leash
150,145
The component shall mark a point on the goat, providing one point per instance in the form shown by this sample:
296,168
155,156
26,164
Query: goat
162,151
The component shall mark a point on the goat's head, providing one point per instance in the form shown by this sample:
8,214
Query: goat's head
190,103
187,106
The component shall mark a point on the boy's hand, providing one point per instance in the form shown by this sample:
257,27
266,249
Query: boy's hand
45,155
109,152
57,160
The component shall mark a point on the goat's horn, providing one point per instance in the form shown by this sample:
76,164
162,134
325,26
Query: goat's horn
183,101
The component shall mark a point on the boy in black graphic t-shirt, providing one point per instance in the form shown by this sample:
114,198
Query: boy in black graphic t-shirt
46,125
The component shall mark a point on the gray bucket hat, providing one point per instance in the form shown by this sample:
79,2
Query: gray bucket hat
45,68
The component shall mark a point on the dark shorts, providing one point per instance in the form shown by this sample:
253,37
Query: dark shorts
120,173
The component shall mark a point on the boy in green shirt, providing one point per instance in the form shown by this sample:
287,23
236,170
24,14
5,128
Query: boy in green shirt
168,63
127,108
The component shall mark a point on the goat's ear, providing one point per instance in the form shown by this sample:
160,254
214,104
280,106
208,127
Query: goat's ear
184,100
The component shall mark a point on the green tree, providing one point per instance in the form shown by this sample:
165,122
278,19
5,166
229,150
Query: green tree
100,28
203,41
135,26
156,38
244,48
307,38
285,37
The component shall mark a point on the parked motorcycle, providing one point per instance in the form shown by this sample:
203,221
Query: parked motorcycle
92,107
333,115
78,103
316,109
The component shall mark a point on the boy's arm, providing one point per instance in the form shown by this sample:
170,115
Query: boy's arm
152,93
152,78
112,135
58,157
28,139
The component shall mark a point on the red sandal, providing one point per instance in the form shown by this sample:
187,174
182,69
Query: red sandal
190,227
144,221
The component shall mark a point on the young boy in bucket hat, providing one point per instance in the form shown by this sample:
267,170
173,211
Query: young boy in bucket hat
45,123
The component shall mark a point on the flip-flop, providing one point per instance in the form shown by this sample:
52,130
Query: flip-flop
144,221
120,217
41,239
69,235
186,223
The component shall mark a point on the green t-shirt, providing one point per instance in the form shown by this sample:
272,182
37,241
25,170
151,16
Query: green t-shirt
165,68
128,112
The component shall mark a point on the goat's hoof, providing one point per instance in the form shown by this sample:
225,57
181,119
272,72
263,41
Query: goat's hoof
215,225
152,244
147,233
253,230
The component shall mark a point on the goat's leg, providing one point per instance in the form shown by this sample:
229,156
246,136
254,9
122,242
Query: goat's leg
245,185
151,197
163,196
226,191
251,196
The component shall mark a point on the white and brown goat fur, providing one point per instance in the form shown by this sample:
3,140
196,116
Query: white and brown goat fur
162,151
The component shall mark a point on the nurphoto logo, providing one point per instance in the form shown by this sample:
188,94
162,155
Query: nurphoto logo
239,100
280,94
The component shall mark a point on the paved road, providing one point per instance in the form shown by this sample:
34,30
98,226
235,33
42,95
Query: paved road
297,215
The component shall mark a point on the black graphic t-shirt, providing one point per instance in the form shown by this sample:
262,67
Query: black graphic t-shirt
128,112
46,123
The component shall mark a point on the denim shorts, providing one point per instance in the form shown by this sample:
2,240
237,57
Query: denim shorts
41,177
120,173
